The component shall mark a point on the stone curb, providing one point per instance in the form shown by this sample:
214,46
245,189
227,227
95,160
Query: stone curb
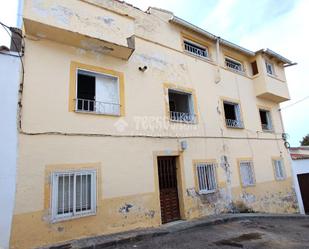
117,239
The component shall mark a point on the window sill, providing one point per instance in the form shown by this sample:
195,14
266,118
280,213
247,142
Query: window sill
235,127
249,186
205,59
280,179
183,122
243,73
68,218
204,192
268,131
98,113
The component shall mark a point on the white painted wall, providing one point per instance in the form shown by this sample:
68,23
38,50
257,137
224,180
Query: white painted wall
299,167
9,84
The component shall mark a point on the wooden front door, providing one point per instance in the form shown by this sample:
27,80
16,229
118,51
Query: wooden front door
168,189
303,180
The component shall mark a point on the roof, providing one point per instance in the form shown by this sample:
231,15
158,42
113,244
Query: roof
299,156
243,50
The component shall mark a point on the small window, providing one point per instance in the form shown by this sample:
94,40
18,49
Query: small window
246,173
181,106
254,68
233,64
232,115
265,120
97,93
74,194
269,68
206,178
196,49
279,169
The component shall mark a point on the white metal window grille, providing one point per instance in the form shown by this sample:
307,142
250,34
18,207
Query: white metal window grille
234,119
233,64
73,194
97,93
279,170
246,173
269,68
206,177
266,120
196,49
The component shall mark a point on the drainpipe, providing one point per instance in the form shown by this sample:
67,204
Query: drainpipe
218,76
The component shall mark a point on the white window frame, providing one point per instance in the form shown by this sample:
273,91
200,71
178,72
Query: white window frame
251,176
204,183
269,120
94,74
241,70
279,170
198,46
54,200
272,68
239,122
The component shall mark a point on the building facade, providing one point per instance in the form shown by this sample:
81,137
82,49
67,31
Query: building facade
133,119
300,166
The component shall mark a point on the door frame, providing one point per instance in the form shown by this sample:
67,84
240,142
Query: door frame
180,180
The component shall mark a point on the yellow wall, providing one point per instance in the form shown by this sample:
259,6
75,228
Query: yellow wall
124,149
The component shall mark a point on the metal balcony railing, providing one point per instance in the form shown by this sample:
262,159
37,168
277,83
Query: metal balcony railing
196,51
233,65
182,117
234,123
98,107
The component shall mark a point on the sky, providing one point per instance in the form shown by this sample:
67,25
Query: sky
279,25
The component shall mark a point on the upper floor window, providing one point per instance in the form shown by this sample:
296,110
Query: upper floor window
265,120
73,194
270,68
206,177
97,93
232,114
181,106
279,169
196,49
233,64
247,173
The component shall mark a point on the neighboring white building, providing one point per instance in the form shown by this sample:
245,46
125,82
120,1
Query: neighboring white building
300,165
10,66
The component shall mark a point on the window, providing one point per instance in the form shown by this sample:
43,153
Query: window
232,115
265,120
181,106
233,64
254,68
246,173
269,68
196,49
279,169
206,177
74,194
97,93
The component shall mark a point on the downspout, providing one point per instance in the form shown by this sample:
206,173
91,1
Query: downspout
218,75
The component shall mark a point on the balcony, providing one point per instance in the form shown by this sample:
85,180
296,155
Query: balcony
81,24
271,88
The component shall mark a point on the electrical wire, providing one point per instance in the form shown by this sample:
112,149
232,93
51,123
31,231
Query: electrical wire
297,102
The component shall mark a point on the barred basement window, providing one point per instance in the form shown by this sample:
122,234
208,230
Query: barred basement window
73,194
206,177
196,49
246,173
279,169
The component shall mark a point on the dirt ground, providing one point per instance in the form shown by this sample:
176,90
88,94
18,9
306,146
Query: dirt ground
250,233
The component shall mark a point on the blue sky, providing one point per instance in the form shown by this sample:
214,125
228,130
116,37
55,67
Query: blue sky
279,25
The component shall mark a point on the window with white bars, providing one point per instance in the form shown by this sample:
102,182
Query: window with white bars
196,49
246,173
279,169
234,64
74,194
206,177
